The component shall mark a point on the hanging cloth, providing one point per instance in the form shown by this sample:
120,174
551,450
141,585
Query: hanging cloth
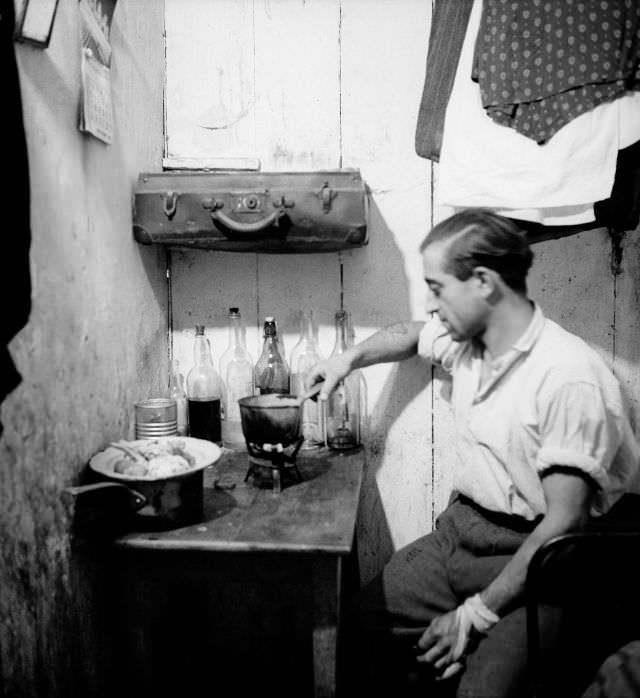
483,163
542,63
448,27
15,288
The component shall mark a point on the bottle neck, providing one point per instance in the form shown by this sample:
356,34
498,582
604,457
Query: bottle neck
271,344
306,328
175,379
342,338
202,352
235,332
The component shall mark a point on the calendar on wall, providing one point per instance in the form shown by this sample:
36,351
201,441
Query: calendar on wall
96,113
96,107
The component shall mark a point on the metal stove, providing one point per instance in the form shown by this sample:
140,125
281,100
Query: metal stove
273,465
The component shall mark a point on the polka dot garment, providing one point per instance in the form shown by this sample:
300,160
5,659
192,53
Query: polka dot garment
541,63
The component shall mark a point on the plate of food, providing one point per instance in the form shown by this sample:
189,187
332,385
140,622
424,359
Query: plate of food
155,459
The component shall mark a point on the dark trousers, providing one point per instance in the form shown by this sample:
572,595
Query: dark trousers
427,578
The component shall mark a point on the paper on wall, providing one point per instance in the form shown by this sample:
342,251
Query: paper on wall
96,107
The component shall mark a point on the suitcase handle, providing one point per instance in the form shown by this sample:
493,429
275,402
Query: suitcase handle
256,226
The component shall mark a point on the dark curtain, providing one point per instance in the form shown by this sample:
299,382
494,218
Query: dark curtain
15,281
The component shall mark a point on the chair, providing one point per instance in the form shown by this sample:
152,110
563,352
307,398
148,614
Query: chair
593,577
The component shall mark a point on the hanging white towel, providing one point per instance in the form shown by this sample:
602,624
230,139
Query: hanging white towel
483,163
550,216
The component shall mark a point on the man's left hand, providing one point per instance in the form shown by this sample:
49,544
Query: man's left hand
444,642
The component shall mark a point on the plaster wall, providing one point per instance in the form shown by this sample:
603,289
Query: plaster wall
324,84
96,341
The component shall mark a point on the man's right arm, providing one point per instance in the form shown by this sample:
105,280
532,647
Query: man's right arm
393,343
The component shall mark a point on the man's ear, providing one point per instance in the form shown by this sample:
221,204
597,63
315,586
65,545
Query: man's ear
489,281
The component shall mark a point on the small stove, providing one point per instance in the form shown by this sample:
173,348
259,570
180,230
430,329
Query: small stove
272,465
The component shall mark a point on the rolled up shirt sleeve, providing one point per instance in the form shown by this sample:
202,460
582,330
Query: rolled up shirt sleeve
436,345
578,430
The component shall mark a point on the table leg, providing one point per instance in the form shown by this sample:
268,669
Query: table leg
134,659
326,615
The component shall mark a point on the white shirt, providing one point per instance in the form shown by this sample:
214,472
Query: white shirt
550,400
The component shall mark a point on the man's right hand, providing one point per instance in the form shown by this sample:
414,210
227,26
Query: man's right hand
393,343
331,371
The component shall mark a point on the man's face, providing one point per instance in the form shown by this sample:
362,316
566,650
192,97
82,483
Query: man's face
460,305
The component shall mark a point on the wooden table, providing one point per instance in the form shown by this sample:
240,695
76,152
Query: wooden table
307,531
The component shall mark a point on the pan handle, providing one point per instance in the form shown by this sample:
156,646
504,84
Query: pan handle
114,489
102,501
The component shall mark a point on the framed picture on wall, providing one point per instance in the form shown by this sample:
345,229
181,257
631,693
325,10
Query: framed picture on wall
35,21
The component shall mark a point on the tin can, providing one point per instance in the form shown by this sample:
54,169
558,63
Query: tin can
156,417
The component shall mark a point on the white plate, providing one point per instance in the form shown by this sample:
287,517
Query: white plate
205,453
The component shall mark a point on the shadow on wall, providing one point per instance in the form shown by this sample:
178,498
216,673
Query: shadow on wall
153,258
377,294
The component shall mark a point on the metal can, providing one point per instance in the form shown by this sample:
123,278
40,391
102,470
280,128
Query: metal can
156,417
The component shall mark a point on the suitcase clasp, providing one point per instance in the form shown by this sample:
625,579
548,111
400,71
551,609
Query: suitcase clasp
169,204
326,196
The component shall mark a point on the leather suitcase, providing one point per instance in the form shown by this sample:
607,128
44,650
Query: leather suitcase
321,211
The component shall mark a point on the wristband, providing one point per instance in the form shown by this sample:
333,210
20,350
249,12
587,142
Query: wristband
481,617
472,613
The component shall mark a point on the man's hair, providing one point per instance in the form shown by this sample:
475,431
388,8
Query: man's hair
477,237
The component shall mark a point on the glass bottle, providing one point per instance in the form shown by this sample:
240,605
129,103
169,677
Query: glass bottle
204,392
271,372
343,405
177,393
358,378
304,356
236,370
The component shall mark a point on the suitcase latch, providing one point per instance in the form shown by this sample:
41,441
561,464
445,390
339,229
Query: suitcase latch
326,196
249,203
169,203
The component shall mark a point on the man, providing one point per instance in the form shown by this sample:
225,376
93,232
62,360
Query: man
543,443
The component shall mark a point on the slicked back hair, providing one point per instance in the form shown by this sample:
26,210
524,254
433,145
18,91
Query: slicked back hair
477,237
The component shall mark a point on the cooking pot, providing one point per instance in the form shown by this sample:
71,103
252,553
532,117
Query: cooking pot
270,419
150,503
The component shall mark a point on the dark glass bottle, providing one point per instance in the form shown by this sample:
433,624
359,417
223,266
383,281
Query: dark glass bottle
272,371
204,392
343,405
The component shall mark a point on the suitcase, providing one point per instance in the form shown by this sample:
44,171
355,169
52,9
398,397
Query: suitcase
321,211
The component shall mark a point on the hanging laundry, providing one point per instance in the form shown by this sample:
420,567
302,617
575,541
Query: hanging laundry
448,26
483,163
542,63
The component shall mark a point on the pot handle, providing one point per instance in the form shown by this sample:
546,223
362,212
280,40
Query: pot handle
102,501
117,490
